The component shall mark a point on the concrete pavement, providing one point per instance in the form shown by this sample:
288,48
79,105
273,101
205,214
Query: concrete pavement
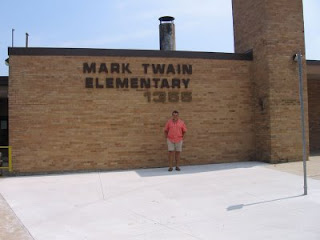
11,228
313,167
248,200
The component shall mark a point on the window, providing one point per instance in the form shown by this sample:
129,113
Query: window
4,124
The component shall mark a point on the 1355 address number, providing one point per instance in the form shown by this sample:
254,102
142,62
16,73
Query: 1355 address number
170,96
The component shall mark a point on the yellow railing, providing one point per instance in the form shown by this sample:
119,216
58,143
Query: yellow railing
9,159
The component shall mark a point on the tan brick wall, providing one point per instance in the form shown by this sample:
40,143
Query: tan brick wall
314,114
274,31
56,124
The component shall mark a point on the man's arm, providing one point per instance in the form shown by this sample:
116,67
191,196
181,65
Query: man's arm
166,130
165,134
184,130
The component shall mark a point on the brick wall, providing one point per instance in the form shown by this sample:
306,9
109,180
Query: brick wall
57,124
314,114
273,30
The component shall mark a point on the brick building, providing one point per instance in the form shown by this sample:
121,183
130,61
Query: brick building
93,109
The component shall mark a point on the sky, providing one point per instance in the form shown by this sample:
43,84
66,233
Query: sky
201,25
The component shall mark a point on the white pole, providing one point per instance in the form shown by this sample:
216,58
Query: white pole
302,124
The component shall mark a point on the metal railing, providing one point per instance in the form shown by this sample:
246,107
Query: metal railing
9,158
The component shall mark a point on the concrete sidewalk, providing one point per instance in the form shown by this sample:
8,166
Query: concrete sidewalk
313,167
248,200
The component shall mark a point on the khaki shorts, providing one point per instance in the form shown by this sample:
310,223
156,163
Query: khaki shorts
174,147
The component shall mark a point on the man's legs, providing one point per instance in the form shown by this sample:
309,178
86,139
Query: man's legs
174,150
170,157
177,157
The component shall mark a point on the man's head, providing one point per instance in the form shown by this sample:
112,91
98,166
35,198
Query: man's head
175,115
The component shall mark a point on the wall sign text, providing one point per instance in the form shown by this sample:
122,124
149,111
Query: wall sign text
104,75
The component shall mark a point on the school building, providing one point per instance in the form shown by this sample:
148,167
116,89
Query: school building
66,109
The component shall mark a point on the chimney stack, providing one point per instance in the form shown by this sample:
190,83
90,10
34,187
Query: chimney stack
167,34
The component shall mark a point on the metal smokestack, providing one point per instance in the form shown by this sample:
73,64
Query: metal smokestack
167,34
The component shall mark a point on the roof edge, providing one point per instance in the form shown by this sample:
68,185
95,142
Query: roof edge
126,53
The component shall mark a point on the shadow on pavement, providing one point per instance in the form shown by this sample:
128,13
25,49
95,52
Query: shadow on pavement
240,206
197,169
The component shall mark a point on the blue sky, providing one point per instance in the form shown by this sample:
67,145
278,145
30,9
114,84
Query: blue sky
201,25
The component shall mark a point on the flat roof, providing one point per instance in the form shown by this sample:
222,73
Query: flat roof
313,66
126,53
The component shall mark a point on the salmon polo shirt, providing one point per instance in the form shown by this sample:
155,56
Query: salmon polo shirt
175,130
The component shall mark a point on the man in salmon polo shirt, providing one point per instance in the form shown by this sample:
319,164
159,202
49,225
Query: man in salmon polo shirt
174,131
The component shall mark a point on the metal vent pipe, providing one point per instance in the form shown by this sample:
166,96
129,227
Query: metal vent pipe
167,34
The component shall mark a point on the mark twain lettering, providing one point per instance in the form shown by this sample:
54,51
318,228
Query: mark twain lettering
164,76
148,68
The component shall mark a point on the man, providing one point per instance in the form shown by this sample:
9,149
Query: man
174,131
